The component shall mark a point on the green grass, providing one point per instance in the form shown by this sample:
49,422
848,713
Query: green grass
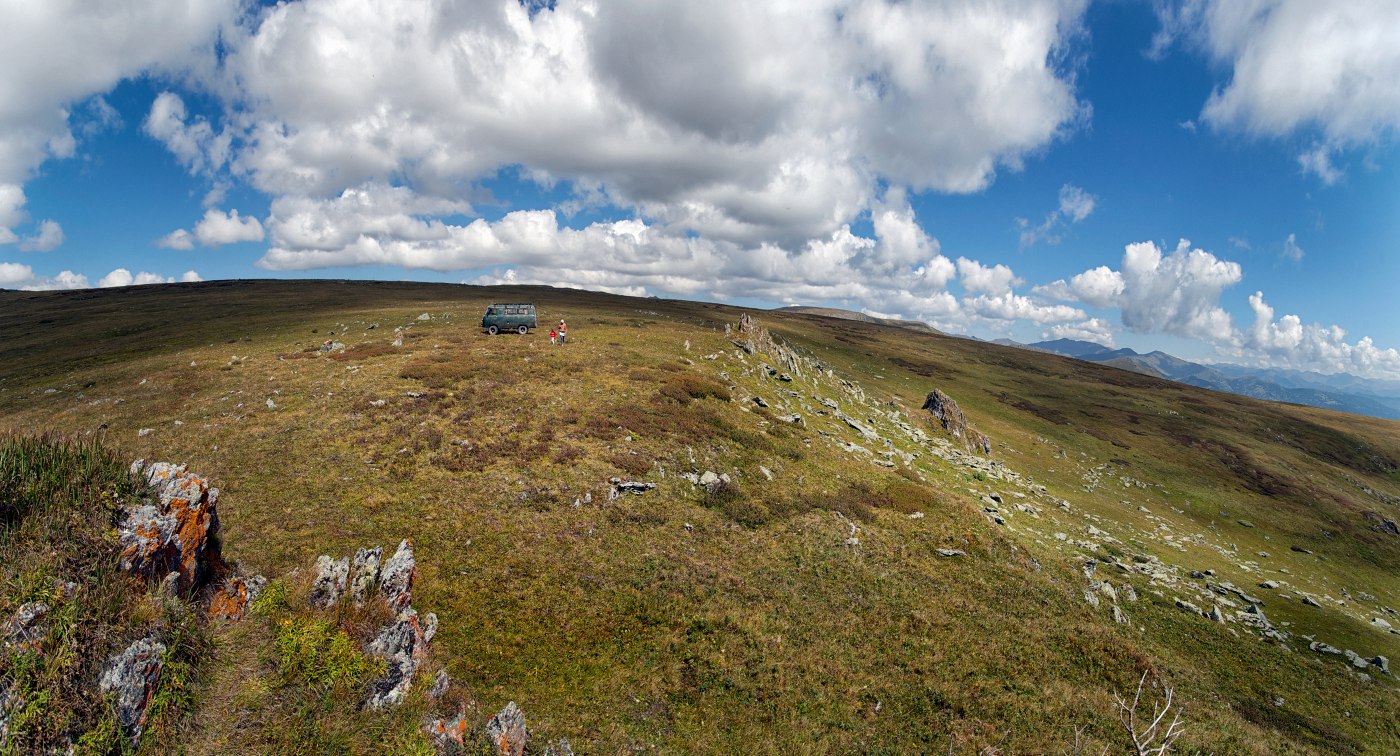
732,619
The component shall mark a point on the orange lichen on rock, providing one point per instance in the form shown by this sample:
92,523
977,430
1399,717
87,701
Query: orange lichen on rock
230,600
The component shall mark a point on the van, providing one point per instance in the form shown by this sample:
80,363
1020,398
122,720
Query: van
518,317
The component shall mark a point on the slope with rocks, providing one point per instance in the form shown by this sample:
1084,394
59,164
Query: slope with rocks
808,560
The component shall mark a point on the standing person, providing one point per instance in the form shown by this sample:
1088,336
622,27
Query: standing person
563,331
552,337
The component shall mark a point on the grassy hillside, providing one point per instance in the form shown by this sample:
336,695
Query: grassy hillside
804,604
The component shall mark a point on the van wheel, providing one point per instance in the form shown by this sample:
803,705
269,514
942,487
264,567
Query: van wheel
493,330
524,330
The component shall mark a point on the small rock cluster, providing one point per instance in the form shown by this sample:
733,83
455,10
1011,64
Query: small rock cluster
403,643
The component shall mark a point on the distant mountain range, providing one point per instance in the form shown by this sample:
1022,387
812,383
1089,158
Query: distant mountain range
1341,392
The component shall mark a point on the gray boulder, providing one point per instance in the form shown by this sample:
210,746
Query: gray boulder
364,573
331,577
131,678
397,574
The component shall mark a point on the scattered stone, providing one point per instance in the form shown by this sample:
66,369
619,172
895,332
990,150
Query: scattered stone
1381,663
425,316
271,404
766,472
231,600
1356,659
1188,606
377,403
1380,623
1264,554
332,346
951,552
1090,567
28,628
852,542
1323,648
559,747
331,578
916,515
145,432
1270,584
364,573
397,574
1245,523
506,731
1129,593
1299,549
131,678
785,378
1216,614
1090,597
1119,615
759,401
620,487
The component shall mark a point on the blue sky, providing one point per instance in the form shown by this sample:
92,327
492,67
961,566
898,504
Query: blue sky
1017,168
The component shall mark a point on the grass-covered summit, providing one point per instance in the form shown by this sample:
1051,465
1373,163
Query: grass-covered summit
849,577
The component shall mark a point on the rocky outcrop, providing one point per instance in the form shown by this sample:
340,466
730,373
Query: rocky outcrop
403,645
506,731
131,678
397,575
331,578
950,416
364,573
174,530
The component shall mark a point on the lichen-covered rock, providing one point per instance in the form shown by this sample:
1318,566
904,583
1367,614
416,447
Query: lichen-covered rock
177,531
449,735
231,599
331,577
364,573
28,628
396,576
131,678
9,702
403,646
506,731
950,416
440,683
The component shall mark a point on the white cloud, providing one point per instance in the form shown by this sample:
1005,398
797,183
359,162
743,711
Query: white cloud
193,141
1010,306
1291,250
177,239
1329,68
217,229
718,120
190,276
60,52
1097,330
64,280
978,278
11,212
123,277
15,273
1075,205
50,236
1098,287
1178,293
1286,342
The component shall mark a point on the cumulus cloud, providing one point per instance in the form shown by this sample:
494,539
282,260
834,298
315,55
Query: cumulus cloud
192,140
1298,66
1098,287
64,280
1097,330
123,277
1287,342
1178,293
102,44
717,121
12,274
1075,205
190,276
49,237
177,239
1011,306
979,278
218,228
